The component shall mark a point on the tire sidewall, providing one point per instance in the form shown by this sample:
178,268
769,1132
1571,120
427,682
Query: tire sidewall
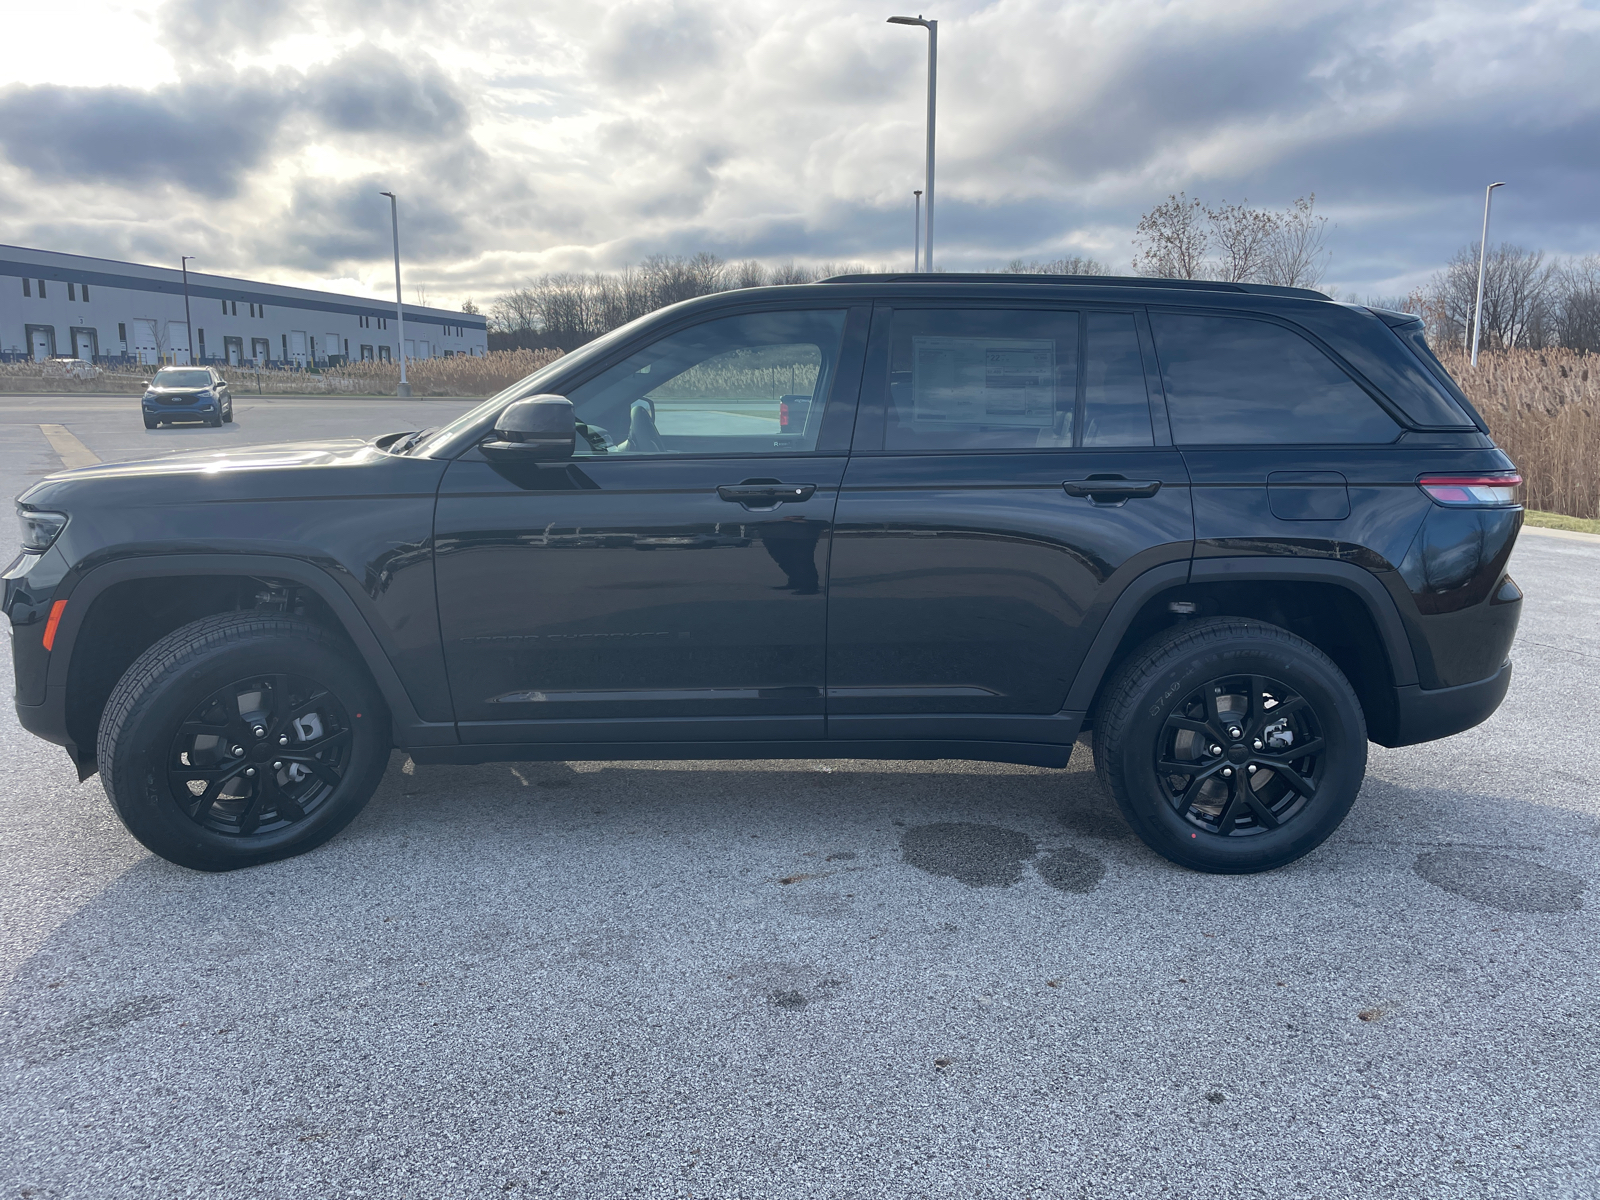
142,795
1344,761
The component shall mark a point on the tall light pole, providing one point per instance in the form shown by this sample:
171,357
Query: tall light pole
916,236
933,75
399,309
188,323
1483,257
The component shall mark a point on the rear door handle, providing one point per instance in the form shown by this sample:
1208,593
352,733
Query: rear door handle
766,495
1112,489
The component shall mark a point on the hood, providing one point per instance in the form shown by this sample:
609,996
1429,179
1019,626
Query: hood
282,468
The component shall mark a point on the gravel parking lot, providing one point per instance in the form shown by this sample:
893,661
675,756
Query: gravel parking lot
812,978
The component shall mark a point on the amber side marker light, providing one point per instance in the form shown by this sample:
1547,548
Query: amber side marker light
1472,490
56,610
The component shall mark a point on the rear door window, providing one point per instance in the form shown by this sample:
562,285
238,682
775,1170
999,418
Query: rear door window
1014,379
1238,381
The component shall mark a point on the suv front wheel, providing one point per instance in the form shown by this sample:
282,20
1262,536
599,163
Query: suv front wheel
240,739
1230,745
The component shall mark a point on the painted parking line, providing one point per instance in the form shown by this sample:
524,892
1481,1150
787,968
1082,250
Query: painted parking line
72,452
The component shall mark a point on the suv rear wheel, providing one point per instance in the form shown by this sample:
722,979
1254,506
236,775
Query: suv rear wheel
240,739
1231,746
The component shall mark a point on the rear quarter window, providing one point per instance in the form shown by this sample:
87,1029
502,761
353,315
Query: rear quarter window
1239,381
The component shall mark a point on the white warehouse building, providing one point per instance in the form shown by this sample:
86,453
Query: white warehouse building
65,305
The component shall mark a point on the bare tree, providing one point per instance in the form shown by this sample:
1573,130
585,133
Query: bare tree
1296,255
748,274
1075,265
1173,239
1244,239
1177,238
788,272
1577,306
1518,291
467,306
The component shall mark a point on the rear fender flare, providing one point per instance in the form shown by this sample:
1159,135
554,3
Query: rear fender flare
1367,588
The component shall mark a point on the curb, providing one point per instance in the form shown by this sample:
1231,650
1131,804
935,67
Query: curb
1574,535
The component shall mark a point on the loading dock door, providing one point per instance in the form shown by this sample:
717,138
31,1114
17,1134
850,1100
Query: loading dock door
85,344
145,347
234,351
260,350
297,347
41,341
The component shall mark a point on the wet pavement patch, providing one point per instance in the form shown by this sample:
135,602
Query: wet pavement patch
1070,870
973,854
1499,881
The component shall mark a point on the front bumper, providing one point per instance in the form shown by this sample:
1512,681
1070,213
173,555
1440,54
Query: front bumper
1427,714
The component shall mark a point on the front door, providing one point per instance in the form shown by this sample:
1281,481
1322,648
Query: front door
1006,484
669,582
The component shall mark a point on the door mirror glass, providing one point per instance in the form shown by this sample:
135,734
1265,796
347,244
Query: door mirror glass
541,427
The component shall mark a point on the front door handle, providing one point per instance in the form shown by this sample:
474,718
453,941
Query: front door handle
1115,488
765,494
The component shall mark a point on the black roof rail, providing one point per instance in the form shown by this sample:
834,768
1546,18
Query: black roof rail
1116,281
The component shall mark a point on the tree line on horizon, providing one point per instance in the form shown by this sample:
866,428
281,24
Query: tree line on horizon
1530,299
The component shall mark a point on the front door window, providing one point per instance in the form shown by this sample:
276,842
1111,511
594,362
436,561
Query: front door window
751,384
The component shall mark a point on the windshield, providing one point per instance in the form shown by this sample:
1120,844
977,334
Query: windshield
192,378
443,437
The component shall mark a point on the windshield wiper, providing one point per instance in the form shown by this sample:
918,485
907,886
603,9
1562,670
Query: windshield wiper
413,439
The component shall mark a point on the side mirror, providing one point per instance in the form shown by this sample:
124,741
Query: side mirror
538,428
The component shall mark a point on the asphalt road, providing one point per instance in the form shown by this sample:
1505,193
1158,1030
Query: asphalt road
813,979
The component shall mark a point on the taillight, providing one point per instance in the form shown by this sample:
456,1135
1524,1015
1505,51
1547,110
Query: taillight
1472,490
783,415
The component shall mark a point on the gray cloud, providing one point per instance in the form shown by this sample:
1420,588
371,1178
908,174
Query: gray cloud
180,135
370,90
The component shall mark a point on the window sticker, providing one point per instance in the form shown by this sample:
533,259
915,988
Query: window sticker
983,381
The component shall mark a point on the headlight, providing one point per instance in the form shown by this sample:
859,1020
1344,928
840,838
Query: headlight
203,394
40,529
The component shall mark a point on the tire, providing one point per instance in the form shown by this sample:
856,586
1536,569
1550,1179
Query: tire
181,790
152,423
1217,685
215,422
227,417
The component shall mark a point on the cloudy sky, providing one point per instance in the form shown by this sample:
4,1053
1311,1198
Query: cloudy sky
533,136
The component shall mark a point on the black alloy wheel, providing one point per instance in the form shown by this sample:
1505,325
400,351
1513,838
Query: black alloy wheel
1240,755
259,755
1230,745
242,738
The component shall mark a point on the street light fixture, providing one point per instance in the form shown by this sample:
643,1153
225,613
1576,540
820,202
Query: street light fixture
1483,256
399,310
188,322
916,235
933,74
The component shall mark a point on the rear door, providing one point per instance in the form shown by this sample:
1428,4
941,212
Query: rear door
1007,482
669,582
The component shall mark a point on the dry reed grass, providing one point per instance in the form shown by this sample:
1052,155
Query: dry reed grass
1543,408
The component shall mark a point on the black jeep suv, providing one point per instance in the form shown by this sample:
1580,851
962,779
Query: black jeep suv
1233,531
